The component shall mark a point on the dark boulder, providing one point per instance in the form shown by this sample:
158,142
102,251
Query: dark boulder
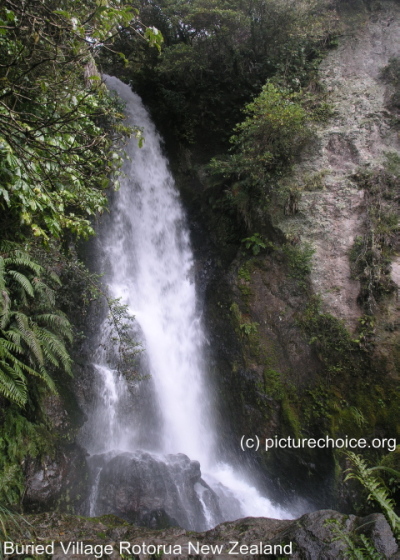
154,491
57,481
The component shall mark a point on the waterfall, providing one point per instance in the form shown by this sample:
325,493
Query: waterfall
158,433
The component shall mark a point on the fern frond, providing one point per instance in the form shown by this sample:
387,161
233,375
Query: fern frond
377,491
28,336
14,361
5,307
10,346
370,552
58,323
54,348
393,472
12,387
14,336
44,376
55,278
22,259
22,281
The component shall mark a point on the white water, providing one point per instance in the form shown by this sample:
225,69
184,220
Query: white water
148,263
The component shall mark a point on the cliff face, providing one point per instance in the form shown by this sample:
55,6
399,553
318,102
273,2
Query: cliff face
362,134
313,344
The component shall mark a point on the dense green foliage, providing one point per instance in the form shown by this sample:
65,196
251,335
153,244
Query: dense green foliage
58,128
217,55
32,332
265,144
377,491
52,117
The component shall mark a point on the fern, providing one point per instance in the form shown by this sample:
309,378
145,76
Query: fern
33,333
56,322
12,384
377,491
359,547
23,260
22,281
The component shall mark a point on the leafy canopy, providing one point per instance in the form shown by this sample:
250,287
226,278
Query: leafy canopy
264,146
217,54
57,121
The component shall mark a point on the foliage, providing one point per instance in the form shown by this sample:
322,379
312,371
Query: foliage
57,121
376,489
249,328
123,337
299,259
331,340
372,253
217,55
273,131
32,332
255,243
244,326
359,547
268,140
20,438
264,147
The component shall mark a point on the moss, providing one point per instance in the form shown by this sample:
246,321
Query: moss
298,259
372,253
315,181
236,316
273,385
290,418
20,438
332,341
244,272
392,164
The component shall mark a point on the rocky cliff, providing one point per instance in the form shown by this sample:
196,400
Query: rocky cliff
312,342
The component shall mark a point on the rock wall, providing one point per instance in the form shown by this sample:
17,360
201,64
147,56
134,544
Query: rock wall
362,131
297,350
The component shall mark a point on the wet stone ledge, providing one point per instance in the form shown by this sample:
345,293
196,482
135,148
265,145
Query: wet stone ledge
315,536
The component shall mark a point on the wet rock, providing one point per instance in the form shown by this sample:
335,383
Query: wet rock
312,537
153,492
59,480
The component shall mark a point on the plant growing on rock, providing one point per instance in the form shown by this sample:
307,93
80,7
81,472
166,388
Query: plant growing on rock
254,243
358,547
372,253
377,491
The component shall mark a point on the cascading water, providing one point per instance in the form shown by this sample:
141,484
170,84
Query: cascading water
156,446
